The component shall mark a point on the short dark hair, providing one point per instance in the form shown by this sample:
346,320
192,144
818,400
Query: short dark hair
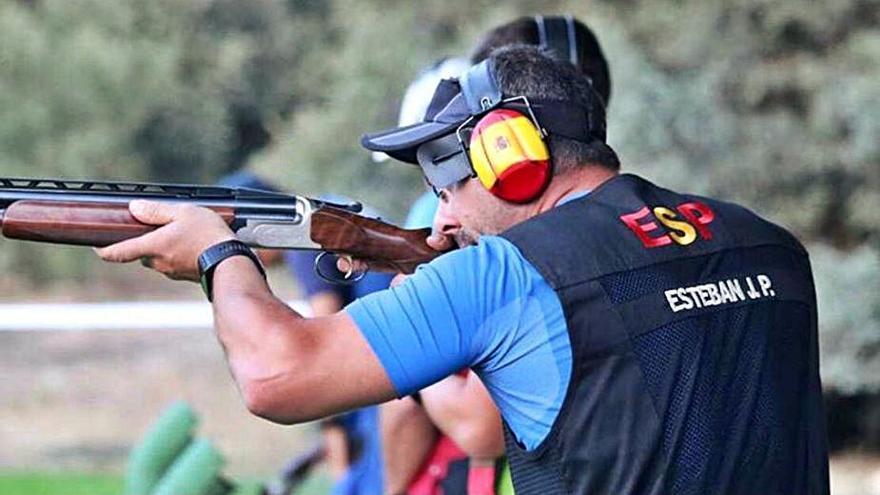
524,70
592,61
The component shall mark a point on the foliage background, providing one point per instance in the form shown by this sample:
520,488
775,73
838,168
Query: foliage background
772,103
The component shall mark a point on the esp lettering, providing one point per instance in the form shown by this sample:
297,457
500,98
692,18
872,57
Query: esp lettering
681,226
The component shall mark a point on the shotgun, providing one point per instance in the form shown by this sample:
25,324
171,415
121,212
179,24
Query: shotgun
95,213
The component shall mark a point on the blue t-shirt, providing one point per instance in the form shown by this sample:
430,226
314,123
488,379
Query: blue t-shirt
484,307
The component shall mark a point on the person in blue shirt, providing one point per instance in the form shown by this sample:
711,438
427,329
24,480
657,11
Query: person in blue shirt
636,340
459,405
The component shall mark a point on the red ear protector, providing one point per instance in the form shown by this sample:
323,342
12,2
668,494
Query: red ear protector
501,141
508,154
506,148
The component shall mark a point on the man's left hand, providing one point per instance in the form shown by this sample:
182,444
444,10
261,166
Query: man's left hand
173,249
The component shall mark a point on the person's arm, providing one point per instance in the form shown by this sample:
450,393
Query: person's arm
291,369
407,438
336,447
288,368
462,409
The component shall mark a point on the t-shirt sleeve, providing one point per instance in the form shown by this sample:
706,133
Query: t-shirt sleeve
431,325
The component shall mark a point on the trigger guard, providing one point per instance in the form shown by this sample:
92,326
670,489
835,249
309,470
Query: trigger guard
346,280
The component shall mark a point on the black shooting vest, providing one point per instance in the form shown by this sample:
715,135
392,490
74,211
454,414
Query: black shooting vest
695,360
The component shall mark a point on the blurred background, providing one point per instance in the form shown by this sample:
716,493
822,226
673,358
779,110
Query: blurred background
772,103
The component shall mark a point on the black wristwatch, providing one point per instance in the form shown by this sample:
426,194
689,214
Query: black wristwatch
214,255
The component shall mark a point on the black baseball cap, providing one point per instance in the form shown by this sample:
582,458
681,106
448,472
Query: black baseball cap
449,110
446,112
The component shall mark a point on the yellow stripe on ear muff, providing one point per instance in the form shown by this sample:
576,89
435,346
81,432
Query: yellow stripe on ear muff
481,164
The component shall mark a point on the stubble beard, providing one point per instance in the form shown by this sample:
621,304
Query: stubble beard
465,238
493,222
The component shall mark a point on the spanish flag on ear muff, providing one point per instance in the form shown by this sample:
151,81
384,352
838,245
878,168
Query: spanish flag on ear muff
509,156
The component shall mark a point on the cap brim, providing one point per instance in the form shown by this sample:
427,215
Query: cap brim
401,143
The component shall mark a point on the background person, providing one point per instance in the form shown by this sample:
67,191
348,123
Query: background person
419,457
352,440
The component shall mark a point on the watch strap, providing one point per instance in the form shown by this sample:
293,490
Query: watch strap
216,254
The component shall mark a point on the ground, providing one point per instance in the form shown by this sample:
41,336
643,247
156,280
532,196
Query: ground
78,401
75,402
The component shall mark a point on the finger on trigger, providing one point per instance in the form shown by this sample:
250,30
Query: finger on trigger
349,265
344,264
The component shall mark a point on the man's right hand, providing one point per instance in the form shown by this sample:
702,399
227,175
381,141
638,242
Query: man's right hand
441,242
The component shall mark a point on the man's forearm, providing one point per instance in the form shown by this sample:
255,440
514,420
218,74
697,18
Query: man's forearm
288,368
291,369
248,318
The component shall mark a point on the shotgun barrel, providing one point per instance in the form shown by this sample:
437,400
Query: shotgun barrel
95,213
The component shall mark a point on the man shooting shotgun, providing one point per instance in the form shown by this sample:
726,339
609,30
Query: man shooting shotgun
636,340
97,214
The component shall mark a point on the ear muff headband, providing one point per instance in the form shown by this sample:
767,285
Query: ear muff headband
502,143
479,88
557,34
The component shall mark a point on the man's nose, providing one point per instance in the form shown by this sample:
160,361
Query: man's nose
445,222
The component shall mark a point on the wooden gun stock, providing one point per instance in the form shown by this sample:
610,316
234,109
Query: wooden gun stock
83,224
382,246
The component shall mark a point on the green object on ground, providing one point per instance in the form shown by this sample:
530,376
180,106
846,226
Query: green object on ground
194,472
163,443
